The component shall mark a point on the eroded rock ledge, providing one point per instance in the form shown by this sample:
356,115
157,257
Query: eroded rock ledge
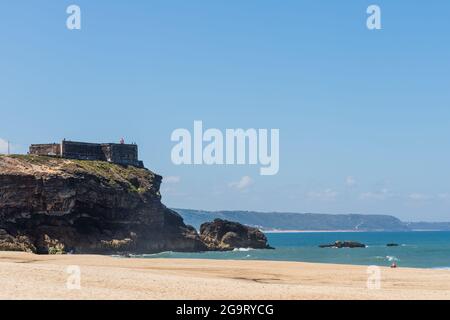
226,235
344,244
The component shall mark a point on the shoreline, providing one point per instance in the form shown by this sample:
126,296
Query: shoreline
28,276
313,231
354,231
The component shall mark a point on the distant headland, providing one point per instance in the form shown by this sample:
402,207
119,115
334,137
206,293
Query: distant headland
317,222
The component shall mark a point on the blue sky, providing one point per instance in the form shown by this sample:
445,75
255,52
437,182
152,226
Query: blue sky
364,116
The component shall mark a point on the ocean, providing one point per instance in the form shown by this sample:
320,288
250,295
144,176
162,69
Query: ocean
430,249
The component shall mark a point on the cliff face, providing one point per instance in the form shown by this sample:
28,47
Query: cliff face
50,205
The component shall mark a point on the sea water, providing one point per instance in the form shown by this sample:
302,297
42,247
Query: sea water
416,249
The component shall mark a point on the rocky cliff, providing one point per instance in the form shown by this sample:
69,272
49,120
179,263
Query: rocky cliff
51,205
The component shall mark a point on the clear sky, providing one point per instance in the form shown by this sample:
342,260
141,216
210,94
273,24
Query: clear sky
364,116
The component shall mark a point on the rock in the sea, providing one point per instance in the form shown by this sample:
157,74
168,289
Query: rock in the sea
226,235
344,244
54,205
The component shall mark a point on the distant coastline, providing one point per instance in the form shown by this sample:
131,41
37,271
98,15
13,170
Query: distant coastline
311,222
342,231
310,231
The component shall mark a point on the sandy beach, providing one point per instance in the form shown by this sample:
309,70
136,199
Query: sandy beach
28,276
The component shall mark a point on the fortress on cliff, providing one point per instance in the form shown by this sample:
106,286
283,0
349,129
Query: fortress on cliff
118,153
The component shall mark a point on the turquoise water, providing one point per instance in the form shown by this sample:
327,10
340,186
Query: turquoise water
417,249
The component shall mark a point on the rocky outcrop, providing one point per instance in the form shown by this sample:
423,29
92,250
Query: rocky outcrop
344,244
53,205
226,235
392,245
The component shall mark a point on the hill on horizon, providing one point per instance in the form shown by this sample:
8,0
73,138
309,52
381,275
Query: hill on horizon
273,221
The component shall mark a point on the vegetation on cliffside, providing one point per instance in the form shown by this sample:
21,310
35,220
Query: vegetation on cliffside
132,178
